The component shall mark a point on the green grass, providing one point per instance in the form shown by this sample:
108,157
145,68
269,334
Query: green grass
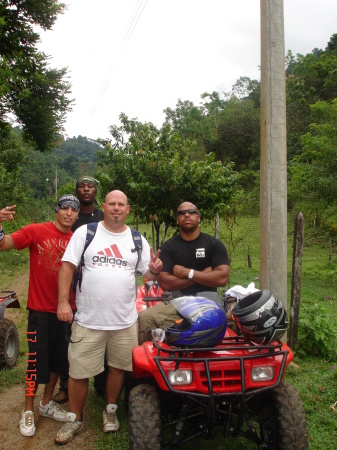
95,407
12,264
315,379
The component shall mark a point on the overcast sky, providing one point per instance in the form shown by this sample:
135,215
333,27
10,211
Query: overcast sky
140,56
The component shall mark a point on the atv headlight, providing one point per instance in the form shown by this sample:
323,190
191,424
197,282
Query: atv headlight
178,377
262,373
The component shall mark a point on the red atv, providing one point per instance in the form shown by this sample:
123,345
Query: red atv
235,387
9,337
147,294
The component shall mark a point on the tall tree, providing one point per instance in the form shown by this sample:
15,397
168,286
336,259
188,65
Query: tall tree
11,155
332,44
310,78
238,133
212,105
36,94
190,122
313,179
157,171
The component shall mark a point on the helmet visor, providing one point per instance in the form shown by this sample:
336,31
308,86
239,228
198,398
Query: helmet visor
191,308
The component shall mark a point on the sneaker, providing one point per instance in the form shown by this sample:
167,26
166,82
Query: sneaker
61,396
53,411
69,430
110,421
27,425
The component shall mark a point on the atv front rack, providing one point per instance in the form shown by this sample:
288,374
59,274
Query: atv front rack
225,367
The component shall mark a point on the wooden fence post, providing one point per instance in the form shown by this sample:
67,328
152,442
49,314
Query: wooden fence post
296,279
162,233
249,258
217,226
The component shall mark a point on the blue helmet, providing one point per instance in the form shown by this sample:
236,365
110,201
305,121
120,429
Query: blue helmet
204,323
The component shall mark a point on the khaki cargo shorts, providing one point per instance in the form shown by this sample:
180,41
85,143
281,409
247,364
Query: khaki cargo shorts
87,350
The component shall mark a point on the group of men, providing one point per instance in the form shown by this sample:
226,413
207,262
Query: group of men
104,321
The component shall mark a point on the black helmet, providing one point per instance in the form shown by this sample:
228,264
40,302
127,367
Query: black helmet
261,317
204,322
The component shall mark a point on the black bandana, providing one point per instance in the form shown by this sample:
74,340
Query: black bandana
67,201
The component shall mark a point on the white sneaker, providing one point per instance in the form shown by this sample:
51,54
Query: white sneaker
69,430
53,411
110,421
27,425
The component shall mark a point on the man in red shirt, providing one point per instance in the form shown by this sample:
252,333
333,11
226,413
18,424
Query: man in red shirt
47,346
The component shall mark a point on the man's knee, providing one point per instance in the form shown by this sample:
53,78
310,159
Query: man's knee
144,324
148,320
161,316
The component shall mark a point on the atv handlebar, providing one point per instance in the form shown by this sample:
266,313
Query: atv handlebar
165,297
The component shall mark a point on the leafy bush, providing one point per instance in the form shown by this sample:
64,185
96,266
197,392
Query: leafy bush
317,334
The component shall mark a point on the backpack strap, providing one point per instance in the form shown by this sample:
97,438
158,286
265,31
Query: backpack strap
91,231
137,240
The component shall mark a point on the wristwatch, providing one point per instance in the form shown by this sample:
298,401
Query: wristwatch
191,273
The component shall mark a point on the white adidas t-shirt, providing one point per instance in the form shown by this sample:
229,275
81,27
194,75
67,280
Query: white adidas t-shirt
107,300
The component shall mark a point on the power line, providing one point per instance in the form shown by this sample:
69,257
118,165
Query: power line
137,13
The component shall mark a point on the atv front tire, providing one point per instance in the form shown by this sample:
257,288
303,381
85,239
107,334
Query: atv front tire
144,418
284,425
9,343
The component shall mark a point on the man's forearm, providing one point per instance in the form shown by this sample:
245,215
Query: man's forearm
64,311
6,243
180,279
151,276
170,282
64,282
216,278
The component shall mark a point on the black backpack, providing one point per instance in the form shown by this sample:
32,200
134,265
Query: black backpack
91,231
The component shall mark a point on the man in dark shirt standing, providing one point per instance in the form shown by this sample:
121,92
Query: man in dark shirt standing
194,263
86,191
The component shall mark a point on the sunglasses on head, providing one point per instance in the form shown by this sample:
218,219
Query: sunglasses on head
182,212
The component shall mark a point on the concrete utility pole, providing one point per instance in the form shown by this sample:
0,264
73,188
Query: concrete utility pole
273,185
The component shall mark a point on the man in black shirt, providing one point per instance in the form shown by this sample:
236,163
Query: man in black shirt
86,191
194,263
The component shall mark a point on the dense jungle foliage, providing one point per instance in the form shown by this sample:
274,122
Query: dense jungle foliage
208,153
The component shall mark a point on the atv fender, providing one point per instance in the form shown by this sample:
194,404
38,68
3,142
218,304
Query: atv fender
11,302
143,365
290,355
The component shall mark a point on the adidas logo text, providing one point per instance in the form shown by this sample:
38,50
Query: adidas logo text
106,260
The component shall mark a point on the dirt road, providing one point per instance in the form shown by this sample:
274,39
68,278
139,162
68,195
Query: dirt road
11,404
